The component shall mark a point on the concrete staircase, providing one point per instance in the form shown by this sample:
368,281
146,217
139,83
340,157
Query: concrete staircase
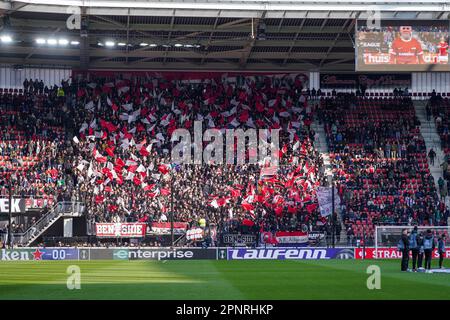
432,140
321,145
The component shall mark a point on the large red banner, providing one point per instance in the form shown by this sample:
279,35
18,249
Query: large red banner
120,230
160,228
388,253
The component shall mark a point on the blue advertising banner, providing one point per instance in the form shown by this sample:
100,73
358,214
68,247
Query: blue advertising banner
59,254
272,253
26,254
290,253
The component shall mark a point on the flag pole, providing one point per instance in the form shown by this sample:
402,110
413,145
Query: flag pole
171,209
10,241
333,226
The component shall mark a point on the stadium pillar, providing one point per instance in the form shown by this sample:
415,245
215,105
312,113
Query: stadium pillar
333,217
171,211
364,243
10,214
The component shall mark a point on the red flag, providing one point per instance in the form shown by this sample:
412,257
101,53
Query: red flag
234,192
311,207
144,152
164,192
292,209
149,187
221,202
278,211
98,157
163,168
137,181
132,168
120,163
259,198
247,206
244,116
99,199
110,151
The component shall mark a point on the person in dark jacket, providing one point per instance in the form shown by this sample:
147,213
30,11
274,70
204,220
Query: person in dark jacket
420,248
404,248
428,247
414,248
441,250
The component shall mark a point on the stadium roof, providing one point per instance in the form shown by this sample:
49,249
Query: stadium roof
196,34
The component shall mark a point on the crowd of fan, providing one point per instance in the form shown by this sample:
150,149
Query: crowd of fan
107,143
379,160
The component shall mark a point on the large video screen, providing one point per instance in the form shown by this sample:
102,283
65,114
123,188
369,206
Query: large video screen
402,47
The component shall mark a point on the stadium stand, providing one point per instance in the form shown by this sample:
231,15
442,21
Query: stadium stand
106,142
120,157
380,163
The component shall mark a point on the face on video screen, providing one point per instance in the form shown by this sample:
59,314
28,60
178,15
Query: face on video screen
402,48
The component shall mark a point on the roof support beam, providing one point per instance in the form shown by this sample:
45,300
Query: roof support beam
34,49
84,41
247,49
172,22
128,36
210,38
334,42
294,41
281,21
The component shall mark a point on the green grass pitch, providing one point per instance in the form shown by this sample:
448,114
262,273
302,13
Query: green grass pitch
216,280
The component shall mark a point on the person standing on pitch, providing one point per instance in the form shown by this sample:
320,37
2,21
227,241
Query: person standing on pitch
403,247
428,247
420,249
414,248
441,250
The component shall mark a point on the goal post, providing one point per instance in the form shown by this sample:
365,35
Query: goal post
389,236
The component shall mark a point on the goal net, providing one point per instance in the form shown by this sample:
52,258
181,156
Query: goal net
387,237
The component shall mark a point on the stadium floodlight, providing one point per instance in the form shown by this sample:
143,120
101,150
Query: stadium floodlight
188,46
6,38
178,45
143,44
63,42
153,45
110,43
75,43
52,41
40,41
100,44
121,44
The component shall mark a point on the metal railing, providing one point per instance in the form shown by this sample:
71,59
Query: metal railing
73,209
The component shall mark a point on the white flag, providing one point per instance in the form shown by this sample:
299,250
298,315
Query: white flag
89,106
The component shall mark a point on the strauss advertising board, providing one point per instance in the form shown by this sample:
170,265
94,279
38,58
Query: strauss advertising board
388,253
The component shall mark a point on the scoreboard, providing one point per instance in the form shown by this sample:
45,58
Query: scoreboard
59,254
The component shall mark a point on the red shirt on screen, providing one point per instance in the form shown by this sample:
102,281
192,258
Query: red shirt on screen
443,46
406,52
